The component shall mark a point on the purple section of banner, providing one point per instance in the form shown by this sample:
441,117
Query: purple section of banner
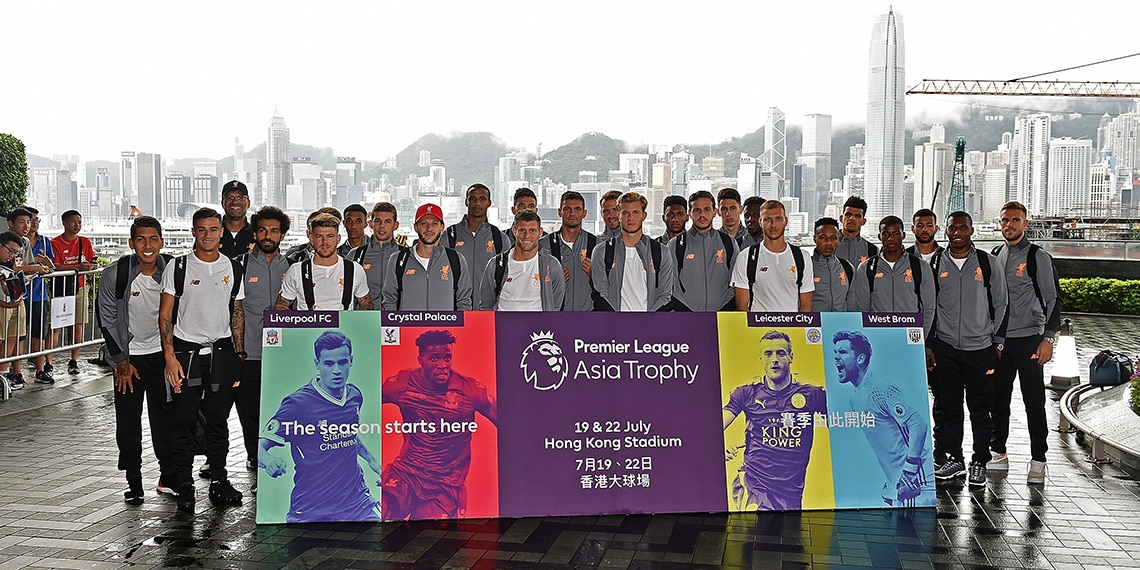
609,413
421,318
783,319
873,320
301,319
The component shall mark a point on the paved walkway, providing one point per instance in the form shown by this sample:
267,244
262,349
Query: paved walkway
61,507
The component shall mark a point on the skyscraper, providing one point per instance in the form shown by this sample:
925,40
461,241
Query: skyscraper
276,160
1070,162
815,156
776,147
886,117
1029,161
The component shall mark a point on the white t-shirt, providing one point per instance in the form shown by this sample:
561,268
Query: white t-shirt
522,286
775,287
633,284
328,285
959,261
423,260
204,309
142,312
927,256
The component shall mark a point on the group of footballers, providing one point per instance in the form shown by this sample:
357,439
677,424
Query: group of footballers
210,301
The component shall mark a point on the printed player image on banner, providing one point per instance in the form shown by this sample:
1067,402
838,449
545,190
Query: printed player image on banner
774,412
609,413
319,455
879,410
440,437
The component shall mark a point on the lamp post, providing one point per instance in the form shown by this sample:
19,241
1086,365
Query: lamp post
1066,373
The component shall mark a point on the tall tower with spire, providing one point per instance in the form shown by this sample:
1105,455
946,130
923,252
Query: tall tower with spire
886,117
276,161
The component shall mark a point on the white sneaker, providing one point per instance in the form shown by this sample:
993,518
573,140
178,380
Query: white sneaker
1037,471
999,462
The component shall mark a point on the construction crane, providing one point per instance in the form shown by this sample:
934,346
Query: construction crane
956,202
1019,87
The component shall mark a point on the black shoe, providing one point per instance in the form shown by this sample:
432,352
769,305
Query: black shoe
204,472
42,377
134,494
186,498
223,493
72,367
16,381
48,367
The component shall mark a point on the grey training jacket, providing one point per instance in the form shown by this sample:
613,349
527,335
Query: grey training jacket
430,290
963,314
262,287
856,249
113,314
704,282
579,289
608,284
553,285
831,284
477,247
1025,315
894,289
374,260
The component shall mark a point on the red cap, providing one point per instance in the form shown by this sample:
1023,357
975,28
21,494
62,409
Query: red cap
429,209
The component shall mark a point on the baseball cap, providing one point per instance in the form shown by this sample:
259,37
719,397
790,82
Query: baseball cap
429,209
234,186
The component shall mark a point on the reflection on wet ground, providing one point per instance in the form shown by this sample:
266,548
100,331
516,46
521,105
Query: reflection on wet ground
61,507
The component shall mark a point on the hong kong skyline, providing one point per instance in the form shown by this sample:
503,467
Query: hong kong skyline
184,81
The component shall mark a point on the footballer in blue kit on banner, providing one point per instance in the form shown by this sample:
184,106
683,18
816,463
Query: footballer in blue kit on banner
608,413
320,446
879,410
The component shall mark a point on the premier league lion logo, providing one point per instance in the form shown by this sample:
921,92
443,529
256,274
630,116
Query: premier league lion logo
543,364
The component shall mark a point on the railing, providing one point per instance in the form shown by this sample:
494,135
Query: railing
1071,422
37,308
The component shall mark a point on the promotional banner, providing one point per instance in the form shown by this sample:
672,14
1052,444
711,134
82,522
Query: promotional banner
440,438
608,413
483,414
320,447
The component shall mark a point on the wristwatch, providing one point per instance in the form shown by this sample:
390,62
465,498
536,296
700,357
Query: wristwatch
1051,339
1000,347
242,353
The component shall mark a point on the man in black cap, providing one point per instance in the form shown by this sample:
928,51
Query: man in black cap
237,239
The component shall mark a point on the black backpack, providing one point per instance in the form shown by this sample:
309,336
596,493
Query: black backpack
405,254
754,260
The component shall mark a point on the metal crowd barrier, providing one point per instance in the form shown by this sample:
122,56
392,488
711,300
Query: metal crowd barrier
40,290
1072,423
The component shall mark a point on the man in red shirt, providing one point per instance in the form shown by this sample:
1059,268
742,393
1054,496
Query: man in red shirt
73,252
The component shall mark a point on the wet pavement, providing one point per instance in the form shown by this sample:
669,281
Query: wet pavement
61,507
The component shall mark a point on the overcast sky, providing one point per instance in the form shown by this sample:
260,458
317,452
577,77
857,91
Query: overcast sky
369,78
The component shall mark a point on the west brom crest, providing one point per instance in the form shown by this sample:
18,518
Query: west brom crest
543,364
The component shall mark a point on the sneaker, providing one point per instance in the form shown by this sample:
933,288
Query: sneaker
223,493
1036,473
952,469
42,377
48,367
17,381
977,477
999,462
134,493
72,367
204,472
164,489
186,498
940,459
